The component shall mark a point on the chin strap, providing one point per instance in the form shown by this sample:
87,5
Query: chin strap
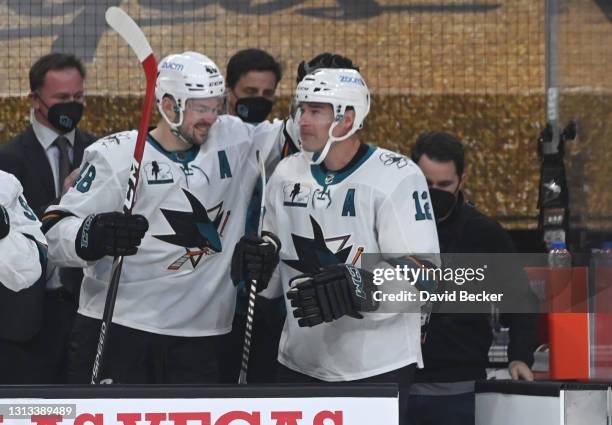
330,141
175,127
177,133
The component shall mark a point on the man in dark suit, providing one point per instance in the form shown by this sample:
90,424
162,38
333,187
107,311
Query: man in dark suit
43,158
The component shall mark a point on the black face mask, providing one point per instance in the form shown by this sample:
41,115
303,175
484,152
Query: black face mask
253,109
65,116
443,203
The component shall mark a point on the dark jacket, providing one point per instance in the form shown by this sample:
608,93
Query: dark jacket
457,345
25,158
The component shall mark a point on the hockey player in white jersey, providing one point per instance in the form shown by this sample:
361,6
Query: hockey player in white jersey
22,278
328,204
22,243
175,298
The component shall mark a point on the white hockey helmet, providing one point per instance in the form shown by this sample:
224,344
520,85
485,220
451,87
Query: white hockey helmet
188,75
340,88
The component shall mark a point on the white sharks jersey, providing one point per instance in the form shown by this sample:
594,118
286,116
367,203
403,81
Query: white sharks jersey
377,204
176,284
24,248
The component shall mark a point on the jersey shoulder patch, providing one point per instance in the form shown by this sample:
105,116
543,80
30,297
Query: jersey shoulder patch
116,149
393,160
387,170
117,141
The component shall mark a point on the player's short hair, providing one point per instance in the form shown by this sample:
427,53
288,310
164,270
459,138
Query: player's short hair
53,62
324,60
440,146
248,60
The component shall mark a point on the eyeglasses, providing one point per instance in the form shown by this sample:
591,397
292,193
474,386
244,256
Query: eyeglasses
205,109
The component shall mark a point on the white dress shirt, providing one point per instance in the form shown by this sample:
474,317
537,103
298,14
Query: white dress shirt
46,137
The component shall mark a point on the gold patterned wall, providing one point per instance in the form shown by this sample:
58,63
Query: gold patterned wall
585,74
475,68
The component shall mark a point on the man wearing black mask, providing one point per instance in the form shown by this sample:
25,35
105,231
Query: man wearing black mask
456,346
43,158
252,77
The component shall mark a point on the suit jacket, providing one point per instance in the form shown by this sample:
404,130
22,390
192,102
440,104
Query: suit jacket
25,158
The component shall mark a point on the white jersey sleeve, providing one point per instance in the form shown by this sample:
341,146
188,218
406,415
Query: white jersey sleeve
99,188
269,139
275,285
405,220
24,248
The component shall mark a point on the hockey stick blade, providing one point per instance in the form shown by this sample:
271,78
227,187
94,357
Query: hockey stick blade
125,26
248,330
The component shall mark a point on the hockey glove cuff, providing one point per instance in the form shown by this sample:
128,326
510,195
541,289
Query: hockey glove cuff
335,291
5,223
111,234
255,258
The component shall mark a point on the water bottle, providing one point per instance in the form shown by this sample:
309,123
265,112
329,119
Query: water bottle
558,288
606,252
559,256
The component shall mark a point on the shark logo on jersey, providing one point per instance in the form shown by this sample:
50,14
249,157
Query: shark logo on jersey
390,158
158,173
195,231
318,251
114,139
321,198
296,194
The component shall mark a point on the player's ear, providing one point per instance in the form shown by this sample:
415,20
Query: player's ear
348,120
349,116
170,108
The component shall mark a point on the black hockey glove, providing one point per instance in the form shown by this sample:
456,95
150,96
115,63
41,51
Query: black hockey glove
5,223
111,234
255,258
335,291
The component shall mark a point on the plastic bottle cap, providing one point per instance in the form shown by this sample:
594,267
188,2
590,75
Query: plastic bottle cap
558,245
606,246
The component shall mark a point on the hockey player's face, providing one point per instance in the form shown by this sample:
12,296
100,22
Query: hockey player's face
315,121
200,115
440,174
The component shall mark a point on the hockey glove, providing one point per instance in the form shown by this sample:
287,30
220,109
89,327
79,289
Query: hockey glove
111,234
255,258
5,223
335,291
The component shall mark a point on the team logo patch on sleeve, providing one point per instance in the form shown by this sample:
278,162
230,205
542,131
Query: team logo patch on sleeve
296,195
158,173
114,139
390,158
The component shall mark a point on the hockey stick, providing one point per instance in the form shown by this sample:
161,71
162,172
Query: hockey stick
248,331
121,22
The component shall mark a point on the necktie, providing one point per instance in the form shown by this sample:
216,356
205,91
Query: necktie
65,166
69,277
